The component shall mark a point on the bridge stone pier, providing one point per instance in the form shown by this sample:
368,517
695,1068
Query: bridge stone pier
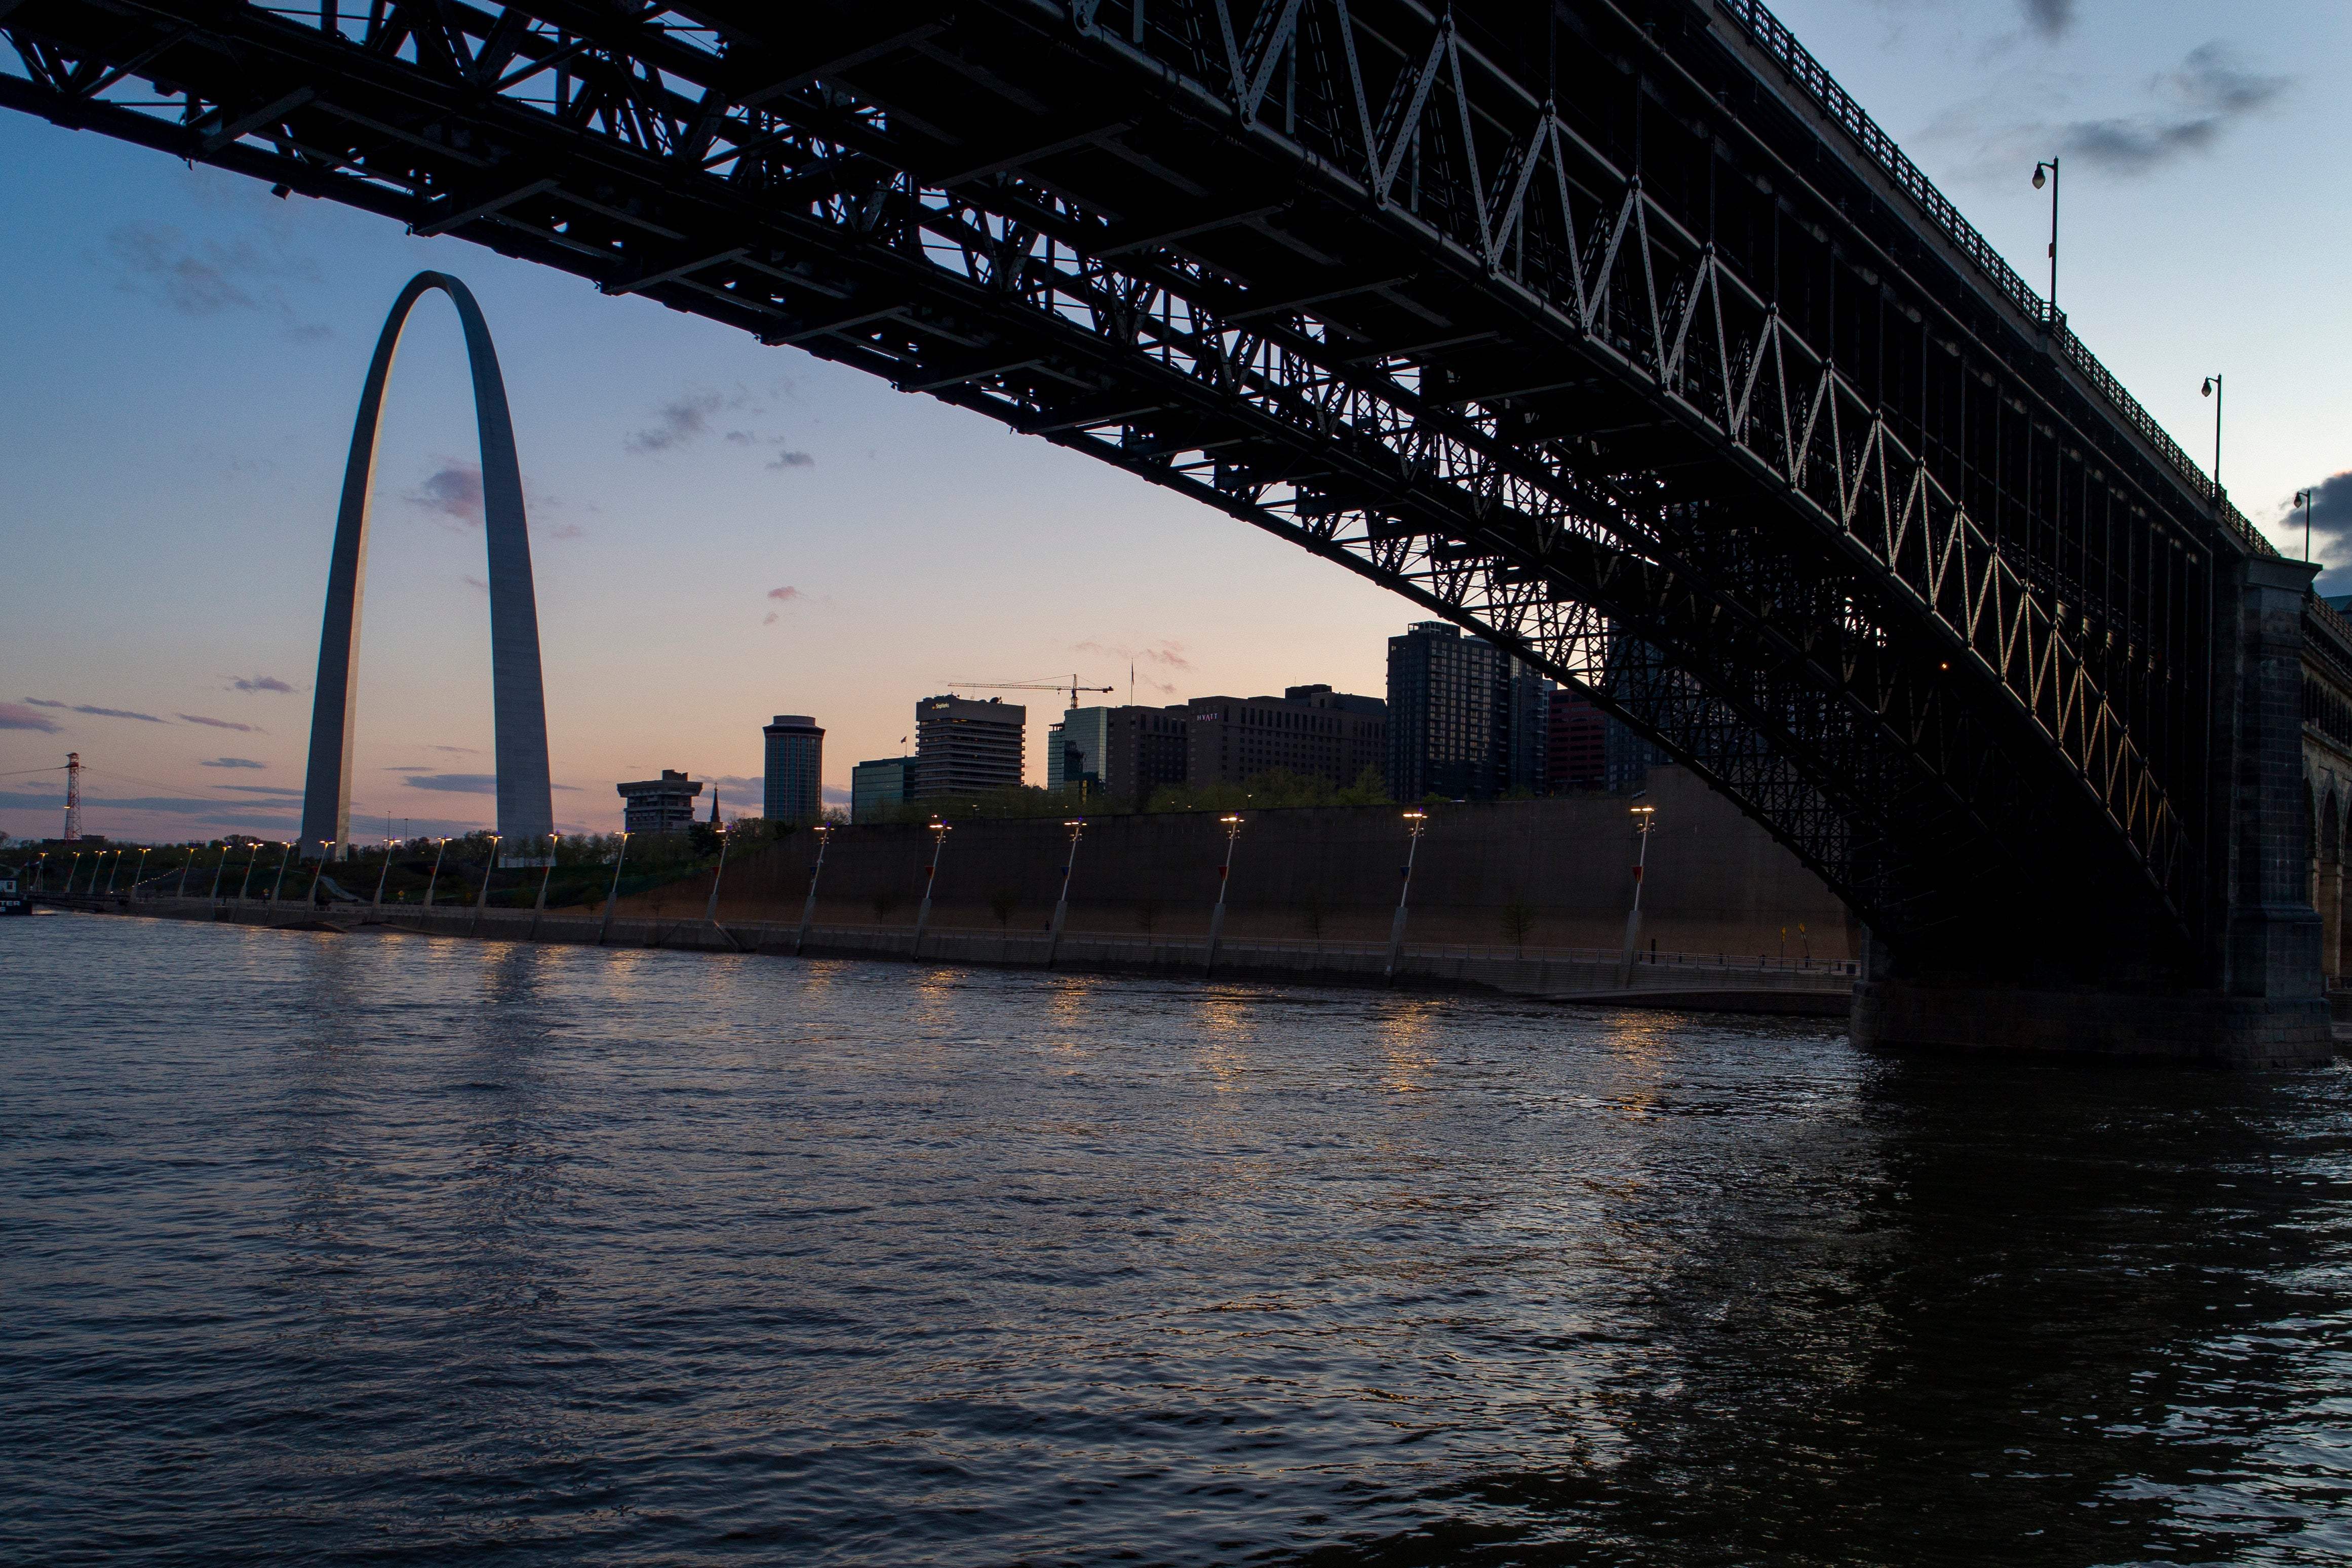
1615,332
2287,673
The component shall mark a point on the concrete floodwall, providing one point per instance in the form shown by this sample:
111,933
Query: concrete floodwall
1717,882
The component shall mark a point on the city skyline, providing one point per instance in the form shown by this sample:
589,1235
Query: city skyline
725,531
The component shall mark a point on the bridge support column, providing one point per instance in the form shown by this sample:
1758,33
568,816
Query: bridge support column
2262,1003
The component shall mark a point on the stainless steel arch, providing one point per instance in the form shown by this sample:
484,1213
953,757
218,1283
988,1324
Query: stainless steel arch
518,700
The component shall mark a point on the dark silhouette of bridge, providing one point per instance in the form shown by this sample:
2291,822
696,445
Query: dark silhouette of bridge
1615,332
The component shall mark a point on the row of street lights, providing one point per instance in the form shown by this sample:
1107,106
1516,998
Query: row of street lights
2046,173
1416,822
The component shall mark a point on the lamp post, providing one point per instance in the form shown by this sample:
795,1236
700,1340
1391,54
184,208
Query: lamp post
1416,821
1225,879
220,866
73,868
380,876
279,885
490,869
939,831
2212,389
117,871
545,877
824,831
613,896
137,872
319,874
2302,499
40,867
1078,826
710,910
2050,168
431,881
1644,817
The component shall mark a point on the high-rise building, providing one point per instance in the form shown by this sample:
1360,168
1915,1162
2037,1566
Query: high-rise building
1074,750
1442,713
664,804
967,747
1467,720
795,772
1125,752
1324,734
1579,735
875,785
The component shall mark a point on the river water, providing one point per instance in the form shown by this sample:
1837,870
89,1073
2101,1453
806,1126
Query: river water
381,1248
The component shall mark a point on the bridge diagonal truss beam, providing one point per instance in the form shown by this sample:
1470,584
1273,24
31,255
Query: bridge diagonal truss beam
1613,332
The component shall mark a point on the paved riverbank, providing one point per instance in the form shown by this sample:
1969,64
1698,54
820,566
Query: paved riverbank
1684,981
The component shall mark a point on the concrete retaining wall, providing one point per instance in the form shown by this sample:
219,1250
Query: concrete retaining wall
1717,882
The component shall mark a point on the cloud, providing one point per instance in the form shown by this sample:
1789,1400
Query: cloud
232,762
16,716
454,491
474,581
455,783
1164,656
278,790
2331,526
740,437
785,595
101,712
791,460
221,723
2050,18
2214,91
453,751
206,279
258,683
835,796
679,423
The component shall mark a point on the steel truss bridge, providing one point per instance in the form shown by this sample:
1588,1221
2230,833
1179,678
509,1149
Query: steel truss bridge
1611,330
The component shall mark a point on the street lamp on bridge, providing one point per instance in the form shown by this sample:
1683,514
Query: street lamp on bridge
2212,389
2047,172
2302,499
1078,826
938,831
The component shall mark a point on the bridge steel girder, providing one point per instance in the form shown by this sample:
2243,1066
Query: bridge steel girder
1613,331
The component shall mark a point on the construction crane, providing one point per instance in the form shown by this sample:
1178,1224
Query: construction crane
1070,685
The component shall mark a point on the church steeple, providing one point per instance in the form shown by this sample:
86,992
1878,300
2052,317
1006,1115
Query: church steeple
714,805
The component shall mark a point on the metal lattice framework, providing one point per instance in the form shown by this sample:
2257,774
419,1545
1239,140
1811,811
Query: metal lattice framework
1613,331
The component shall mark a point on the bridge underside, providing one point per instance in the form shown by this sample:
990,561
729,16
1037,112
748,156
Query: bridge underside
1613,333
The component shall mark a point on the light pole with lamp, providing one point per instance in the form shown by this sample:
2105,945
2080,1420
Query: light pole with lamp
380,876
939,831
1416,821
824,831
73,870
1225,879
1078,826
545,877
2302,499
136,873
220,866
710,910
490,869
433,880
2213,390
279,885
1644,817
2050,168
613,896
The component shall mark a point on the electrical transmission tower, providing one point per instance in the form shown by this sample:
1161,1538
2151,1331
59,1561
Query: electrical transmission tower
73,797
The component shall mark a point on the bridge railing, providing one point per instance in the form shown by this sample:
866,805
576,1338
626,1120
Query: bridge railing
1774,38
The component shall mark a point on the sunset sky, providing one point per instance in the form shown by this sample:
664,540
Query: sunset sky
724,531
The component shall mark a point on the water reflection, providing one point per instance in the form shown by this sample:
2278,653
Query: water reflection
363,1242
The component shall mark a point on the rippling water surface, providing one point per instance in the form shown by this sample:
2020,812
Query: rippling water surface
373,1248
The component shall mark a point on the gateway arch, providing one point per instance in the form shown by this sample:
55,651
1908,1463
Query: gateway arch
526,800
